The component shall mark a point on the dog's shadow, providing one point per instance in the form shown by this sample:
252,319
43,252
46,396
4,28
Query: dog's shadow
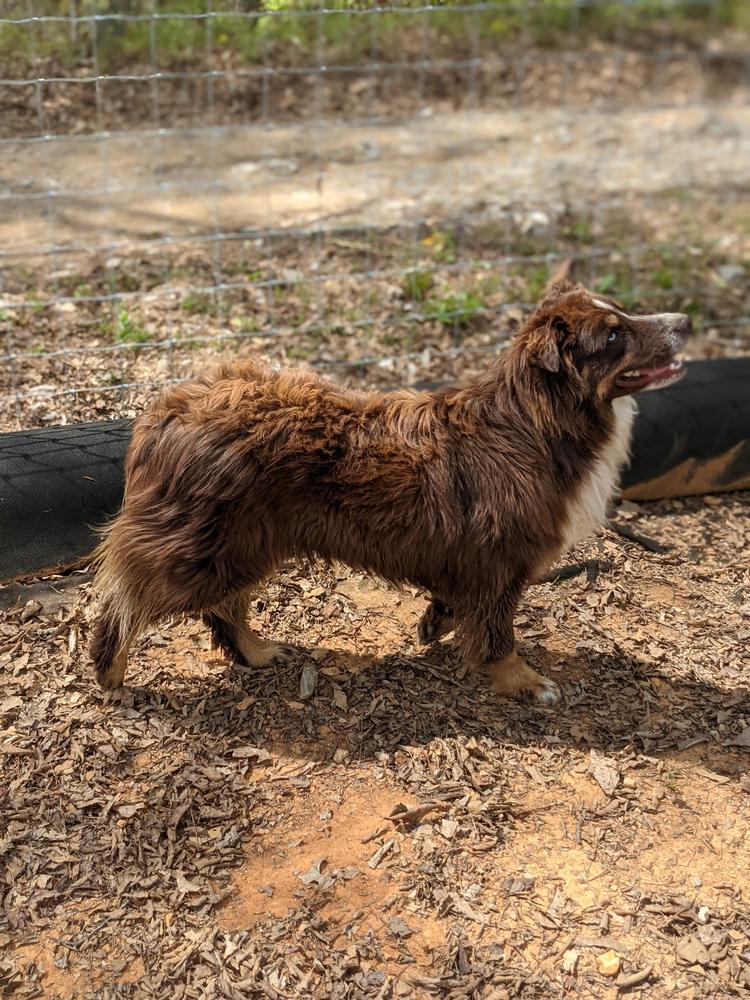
323,703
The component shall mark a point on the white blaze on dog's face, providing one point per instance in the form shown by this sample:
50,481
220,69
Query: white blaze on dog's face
645,347
609,351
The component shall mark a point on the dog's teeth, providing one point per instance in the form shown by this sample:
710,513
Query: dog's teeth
675,365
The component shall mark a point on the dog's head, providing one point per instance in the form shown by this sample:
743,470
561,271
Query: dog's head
605,350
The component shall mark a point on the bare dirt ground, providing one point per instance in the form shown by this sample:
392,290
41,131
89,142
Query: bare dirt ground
294,236
211,832
128,188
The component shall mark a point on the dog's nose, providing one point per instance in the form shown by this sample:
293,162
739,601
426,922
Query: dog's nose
677,327
683,326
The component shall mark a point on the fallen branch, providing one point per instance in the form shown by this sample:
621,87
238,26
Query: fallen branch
634,979
381,853
632,536
416,813
591,567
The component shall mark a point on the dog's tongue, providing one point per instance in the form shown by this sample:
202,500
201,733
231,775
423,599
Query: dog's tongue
644,378
664,371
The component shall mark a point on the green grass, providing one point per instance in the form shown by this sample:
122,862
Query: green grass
664,277
200,305
417,283
536,281
277,34
305,348
36,304
442,246
618,283
580,231
454,309
403,338
666,274
606,283
127,330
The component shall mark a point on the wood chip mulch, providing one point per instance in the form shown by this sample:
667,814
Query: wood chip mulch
366,821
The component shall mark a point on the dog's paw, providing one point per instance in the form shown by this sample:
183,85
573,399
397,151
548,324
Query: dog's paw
253,656
436,622
283,653
426,629
514,678
545,692
112,676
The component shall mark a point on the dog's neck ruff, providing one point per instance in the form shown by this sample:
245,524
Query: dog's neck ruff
587,507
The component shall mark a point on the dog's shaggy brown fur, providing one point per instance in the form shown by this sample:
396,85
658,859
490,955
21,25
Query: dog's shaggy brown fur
469,492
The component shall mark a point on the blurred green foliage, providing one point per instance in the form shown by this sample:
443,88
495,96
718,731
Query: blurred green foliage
290,32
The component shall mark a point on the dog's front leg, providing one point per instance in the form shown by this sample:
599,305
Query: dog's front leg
489,643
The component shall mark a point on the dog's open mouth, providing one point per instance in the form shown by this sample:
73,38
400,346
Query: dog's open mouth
651,378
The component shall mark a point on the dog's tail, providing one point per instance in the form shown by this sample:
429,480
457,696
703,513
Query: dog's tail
563,272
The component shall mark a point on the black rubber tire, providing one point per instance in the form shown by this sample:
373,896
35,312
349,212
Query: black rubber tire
57,485
694,436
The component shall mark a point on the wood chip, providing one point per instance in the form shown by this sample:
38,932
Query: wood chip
381,852
608,964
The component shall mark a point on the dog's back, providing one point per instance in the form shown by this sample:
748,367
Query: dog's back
231,474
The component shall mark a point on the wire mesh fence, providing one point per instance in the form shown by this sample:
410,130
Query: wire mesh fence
381,189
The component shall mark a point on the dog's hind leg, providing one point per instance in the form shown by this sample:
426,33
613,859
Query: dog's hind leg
109,647
487,632
436,621
230,632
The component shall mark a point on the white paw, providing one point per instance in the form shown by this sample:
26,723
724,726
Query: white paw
547,692
261,656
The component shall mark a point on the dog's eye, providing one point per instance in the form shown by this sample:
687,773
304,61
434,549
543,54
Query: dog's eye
613,335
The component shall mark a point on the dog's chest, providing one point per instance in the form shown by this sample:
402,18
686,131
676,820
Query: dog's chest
587,508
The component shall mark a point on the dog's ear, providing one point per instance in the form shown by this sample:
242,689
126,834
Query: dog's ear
544,346
555,291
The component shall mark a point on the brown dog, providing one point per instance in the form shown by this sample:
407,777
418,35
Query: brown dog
469,492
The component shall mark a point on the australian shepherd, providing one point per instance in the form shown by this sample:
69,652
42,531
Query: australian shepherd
469,492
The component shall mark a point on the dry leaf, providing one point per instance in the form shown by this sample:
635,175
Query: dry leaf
314,873
308,681
381,852
740,740
399,928
570,961
448,828
692,951
129,809
184,885
515,886
251,753
605,772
